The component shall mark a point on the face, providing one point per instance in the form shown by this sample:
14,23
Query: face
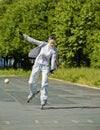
51,43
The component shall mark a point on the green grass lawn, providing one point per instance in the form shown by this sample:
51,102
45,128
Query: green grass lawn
84,76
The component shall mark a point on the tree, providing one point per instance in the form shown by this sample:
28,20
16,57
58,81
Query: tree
30,17
75,21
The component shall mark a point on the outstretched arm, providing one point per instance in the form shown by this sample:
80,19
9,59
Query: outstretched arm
32,40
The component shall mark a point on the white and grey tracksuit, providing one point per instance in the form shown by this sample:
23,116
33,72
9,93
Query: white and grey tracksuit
45,59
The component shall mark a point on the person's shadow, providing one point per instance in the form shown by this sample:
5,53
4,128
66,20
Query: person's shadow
74,107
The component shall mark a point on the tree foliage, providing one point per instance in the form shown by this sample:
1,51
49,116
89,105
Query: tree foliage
76,24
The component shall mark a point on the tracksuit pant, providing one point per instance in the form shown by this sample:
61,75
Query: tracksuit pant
37,68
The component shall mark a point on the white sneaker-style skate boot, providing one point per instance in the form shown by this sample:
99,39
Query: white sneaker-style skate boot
31,95
43,104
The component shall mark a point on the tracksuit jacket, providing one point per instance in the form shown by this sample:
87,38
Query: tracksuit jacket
47,55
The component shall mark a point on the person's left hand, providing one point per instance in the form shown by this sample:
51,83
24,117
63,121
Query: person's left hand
52,71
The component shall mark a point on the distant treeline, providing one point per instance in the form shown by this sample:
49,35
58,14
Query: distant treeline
75,23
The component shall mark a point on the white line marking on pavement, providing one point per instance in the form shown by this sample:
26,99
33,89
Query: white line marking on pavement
55,121
36,121
90,121
7,122
75,121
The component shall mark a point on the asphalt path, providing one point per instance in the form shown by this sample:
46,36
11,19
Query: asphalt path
70,107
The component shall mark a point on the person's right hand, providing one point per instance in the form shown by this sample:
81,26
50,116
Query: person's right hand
20,33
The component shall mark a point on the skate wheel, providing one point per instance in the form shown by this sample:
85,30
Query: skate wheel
42,107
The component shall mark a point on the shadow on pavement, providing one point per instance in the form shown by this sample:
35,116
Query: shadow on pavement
82,107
